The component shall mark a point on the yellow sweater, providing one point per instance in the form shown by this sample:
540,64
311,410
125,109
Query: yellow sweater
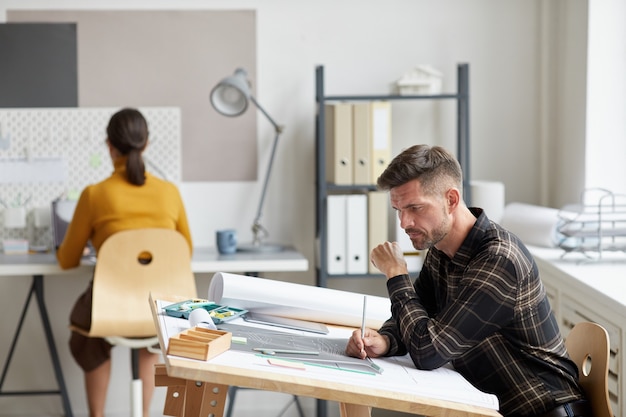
114,205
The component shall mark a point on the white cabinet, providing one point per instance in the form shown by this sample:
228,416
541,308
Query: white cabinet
583,290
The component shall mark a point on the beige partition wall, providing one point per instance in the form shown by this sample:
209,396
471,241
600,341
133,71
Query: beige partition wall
169,58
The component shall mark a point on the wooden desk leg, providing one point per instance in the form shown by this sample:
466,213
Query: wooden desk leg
175,401
176,387
354,410
204,399
191,398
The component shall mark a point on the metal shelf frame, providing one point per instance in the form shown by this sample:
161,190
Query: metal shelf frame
323,188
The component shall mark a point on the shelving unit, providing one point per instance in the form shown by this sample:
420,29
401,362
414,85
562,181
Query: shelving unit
324,188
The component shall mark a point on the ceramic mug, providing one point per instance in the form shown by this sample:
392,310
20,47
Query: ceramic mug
226,241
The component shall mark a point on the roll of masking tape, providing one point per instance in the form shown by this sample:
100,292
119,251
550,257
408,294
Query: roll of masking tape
199,317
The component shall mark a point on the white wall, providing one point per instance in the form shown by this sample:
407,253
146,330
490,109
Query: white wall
364,45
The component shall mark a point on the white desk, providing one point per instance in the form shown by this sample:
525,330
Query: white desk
209,260
205,260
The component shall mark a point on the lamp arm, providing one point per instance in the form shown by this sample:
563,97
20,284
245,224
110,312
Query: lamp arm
256,226
277,127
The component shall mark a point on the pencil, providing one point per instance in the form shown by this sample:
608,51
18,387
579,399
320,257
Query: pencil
363,320
372,364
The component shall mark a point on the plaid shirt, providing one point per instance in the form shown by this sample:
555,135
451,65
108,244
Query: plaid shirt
486,312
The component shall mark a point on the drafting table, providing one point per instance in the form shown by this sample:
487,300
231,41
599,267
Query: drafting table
198,388
36,266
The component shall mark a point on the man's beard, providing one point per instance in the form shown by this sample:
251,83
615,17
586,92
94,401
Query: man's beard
424,242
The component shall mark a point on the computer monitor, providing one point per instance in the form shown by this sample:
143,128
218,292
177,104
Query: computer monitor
62,213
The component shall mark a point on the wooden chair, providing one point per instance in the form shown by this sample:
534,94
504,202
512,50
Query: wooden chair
588,346
130,265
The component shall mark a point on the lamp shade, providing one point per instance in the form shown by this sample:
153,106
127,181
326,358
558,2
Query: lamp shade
230,96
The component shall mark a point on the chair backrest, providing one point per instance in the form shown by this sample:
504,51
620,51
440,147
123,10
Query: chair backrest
131,264
588,346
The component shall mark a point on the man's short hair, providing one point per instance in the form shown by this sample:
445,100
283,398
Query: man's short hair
434,167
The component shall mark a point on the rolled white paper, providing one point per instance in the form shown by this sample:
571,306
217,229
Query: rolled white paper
488,195
298,301
201,317
534,225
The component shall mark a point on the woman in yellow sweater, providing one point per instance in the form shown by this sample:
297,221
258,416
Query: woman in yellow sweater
130,198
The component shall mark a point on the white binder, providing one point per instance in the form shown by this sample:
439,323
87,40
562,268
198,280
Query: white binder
336,234
356,231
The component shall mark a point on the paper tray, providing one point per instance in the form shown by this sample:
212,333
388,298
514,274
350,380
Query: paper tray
219,313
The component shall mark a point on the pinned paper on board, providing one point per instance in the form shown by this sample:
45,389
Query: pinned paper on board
37,170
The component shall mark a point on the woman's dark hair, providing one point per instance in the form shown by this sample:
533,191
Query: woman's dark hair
434,167
128,133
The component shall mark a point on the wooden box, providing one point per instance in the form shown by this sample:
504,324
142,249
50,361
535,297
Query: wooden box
199,343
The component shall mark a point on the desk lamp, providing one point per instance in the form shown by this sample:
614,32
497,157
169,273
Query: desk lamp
230,97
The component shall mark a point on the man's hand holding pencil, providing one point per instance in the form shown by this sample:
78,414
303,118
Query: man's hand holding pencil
366,343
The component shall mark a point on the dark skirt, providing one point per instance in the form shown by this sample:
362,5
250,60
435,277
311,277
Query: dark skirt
88,352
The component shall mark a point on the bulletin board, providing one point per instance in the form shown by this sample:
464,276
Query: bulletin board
170,58
55,152
38,65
